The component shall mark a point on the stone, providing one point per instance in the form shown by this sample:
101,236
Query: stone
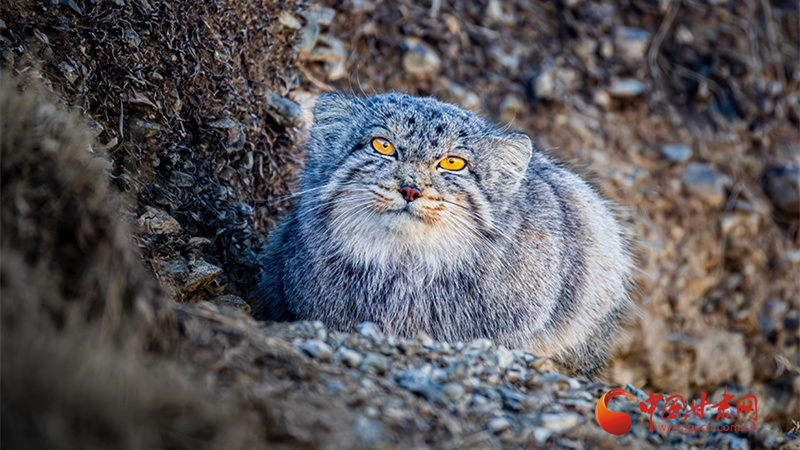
420,59
375,363
369,330
288,20
286,111
324,15
512,398
740,223
606,48
704,182
479,345
676,153
626,88
504,358
541,435
315,348
201,275
782,185
308,34
453,391
368,431
418,382
560,422
775,307
471,101
555,83
636,392
498,425
347,356
493,12
586,47
601,98
156,221
631,44
424,339
503,60
328,50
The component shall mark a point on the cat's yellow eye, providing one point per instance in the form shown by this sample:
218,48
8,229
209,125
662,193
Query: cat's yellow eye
452,163
383,146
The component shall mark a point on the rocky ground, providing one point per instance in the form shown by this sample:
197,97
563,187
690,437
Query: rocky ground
686,114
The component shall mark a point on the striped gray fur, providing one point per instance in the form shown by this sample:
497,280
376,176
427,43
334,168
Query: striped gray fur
513,247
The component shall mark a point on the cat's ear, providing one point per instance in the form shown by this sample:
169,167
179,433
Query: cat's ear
505,163
332,107
518,150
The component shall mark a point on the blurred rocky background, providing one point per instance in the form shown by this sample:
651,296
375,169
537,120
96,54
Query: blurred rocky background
685,113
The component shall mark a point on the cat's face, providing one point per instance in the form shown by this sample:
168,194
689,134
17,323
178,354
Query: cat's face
409,171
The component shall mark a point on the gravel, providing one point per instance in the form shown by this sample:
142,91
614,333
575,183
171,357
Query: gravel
448,394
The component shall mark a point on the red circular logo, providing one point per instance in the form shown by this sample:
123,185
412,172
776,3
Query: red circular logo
614,422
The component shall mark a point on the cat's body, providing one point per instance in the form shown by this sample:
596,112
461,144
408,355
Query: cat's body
511,246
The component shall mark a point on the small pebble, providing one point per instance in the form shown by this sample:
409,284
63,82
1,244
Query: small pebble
418,382
504,358
560,422
454,391
369,330
424,339
601,98
156,221
369,432
316,348
420,59
201,276
286,111
631,44
676,153
309,34
704,182
375,363
350,357
479,345
541,435
626,88
288,20
498,425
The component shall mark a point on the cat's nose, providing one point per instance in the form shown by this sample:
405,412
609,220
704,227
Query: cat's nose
410,192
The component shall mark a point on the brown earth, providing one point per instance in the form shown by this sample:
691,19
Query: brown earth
187,104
